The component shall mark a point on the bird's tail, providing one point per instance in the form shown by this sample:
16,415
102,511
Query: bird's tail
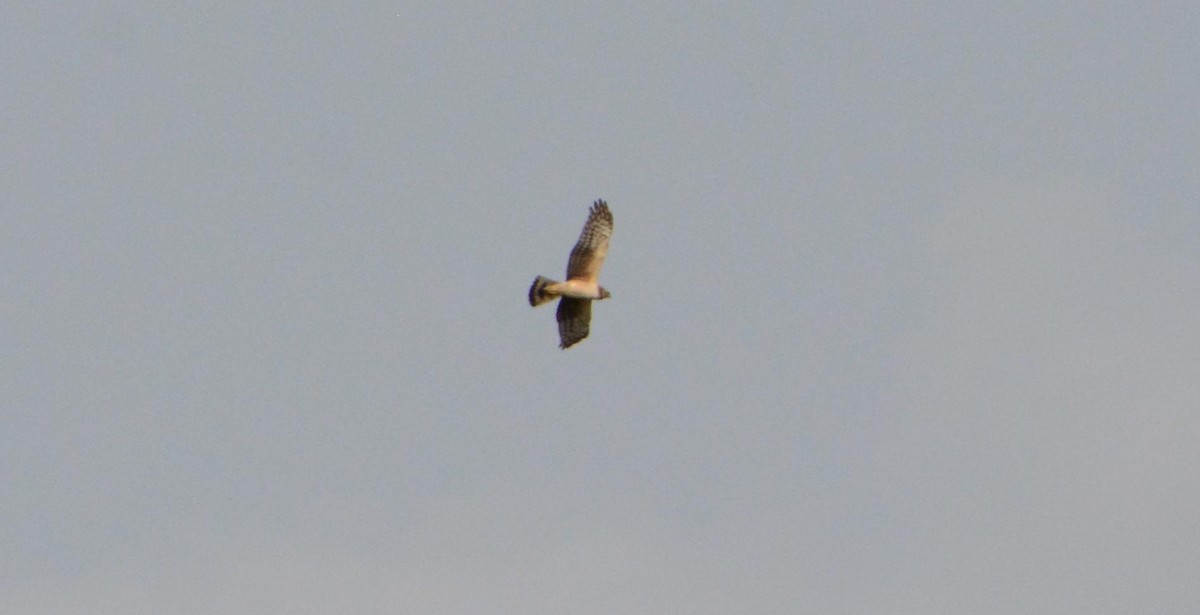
537,292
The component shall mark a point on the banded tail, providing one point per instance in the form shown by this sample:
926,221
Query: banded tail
537,292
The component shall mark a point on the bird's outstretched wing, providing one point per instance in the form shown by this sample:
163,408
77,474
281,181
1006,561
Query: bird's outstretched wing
574,320
587,257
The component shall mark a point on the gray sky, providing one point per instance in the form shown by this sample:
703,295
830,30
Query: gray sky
905,308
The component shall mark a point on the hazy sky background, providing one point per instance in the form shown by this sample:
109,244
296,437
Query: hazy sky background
905,316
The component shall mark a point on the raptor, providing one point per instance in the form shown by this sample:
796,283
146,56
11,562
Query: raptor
582,285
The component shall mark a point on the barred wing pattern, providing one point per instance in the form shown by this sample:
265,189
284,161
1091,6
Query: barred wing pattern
587,257
574,320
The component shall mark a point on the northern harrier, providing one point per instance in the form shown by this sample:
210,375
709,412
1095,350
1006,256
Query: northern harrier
583,278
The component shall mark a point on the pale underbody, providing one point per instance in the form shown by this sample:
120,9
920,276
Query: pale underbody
577,289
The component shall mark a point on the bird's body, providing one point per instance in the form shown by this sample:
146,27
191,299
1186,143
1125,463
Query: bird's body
577,289
582,285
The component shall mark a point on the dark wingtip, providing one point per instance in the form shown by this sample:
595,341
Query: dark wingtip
600,207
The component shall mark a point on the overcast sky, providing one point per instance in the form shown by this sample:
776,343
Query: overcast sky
905,315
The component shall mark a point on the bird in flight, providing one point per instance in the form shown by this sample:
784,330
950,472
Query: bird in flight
583,278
